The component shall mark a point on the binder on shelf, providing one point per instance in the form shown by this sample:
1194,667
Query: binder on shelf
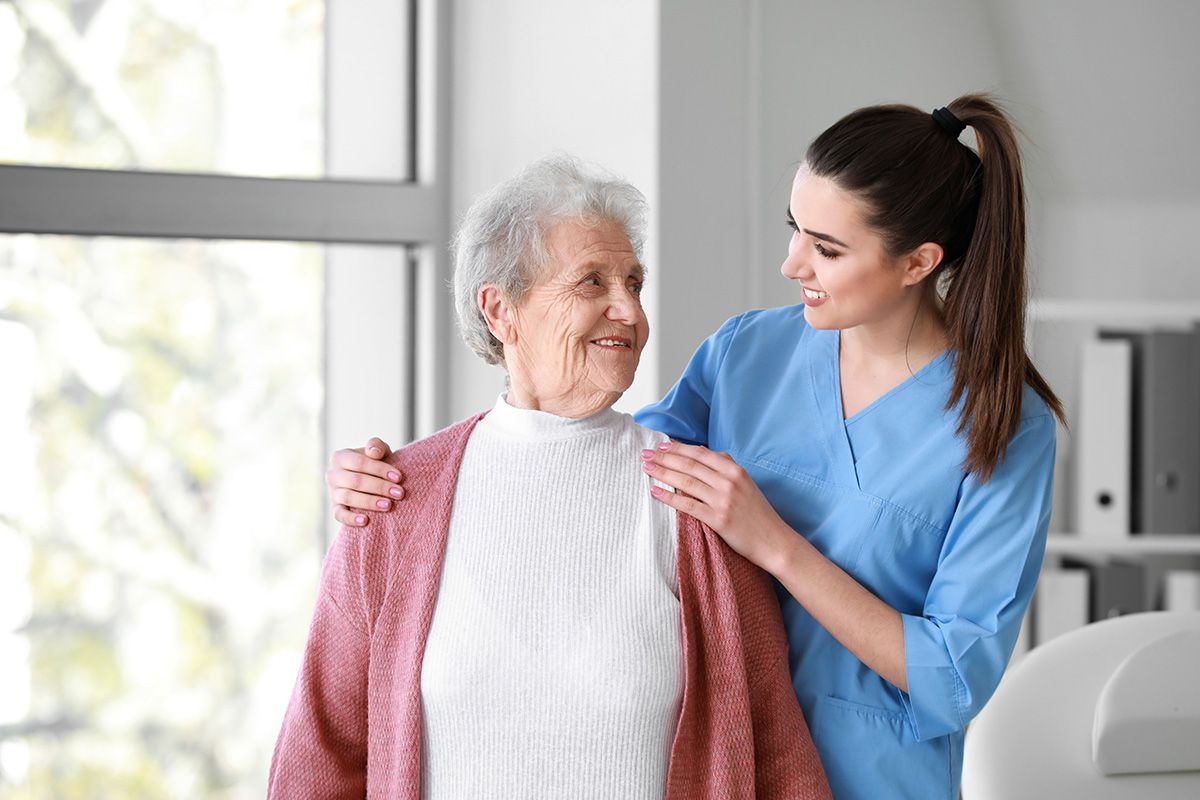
1061,603
1181,590
1165,446
1103,439
1115,588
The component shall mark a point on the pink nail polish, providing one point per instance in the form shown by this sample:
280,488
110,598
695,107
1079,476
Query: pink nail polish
648,466
394,477
395,492
647,454
360,519
665,446
656,491
382,504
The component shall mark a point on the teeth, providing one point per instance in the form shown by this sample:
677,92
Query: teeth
810,294
611,343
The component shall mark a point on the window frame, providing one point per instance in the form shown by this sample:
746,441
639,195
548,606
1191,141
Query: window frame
411,214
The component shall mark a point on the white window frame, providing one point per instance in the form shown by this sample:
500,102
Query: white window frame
372,386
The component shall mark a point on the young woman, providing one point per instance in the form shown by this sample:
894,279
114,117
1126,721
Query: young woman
885,450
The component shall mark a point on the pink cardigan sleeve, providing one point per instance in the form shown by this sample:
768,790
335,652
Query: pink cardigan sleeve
786,763
322,746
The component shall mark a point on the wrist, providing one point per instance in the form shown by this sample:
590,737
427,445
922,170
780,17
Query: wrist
785,552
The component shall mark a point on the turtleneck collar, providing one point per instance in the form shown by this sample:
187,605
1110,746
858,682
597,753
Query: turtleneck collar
529,425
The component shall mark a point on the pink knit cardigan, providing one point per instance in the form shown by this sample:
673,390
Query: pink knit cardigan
353,725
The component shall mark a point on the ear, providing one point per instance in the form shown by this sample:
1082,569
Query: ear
922,261
496,312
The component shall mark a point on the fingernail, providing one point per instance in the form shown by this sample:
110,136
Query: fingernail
648,466
394,492
647,454
394,477
374,450
665,446
360,519
384,504
656,491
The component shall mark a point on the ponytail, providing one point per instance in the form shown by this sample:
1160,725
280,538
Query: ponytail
920,184
985,297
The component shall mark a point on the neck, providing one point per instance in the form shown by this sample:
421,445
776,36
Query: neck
911,337
575,404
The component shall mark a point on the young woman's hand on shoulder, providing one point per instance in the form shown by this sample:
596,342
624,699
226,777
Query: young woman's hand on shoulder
360,481
714,489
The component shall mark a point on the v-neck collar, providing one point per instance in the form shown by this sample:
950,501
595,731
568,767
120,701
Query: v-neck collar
881,399
827,388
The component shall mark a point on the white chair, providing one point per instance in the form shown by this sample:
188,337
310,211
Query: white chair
1040,736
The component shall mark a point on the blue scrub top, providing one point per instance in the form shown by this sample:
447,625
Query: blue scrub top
885,497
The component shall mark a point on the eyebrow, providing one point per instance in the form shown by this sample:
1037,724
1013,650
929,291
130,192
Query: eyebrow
815,234
637,271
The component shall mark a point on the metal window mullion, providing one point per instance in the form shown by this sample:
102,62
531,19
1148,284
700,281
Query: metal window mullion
435,328
87,202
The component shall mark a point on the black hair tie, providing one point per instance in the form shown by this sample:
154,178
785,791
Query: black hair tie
953,125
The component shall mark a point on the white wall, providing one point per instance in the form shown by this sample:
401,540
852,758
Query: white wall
532,78
820,61
708,106
1104,90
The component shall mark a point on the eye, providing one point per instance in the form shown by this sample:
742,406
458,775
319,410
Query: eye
636,287
826,251
792,226
591,280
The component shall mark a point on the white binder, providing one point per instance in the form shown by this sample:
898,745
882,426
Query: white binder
1061,603
1102,439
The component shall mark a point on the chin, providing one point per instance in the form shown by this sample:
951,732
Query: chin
814,320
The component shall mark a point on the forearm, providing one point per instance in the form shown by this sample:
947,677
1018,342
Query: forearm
865,625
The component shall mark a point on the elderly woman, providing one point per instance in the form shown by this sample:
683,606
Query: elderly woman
530,622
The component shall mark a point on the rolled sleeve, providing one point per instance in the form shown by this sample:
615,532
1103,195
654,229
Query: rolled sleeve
683,414
956,652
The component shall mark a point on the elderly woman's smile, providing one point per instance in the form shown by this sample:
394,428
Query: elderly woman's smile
573,342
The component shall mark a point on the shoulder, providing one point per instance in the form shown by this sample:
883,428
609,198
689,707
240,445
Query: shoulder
1034,408
432,451
761,333
362,560
765,322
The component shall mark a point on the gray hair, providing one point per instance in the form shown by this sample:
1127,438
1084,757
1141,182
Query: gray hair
501,239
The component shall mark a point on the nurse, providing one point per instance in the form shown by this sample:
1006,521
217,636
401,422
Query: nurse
884,450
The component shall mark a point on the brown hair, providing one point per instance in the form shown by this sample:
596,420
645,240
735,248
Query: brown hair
920,184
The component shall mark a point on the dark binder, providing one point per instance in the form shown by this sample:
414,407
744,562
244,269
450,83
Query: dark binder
1115,588
1165,448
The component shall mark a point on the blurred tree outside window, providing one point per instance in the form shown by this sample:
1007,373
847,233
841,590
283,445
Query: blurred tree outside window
161,405
159,519
231,86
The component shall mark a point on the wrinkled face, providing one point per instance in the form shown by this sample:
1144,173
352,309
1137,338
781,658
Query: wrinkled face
847,276
581,329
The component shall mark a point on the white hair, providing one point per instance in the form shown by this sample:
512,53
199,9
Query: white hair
501,239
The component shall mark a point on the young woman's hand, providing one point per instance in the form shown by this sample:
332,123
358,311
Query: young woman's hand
714,489
360,481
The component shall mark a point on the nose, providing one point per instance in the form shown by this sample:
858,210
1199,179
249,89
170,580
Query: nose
623,305
795,265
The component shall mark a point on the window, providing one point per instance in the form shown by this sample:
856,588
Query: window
189,319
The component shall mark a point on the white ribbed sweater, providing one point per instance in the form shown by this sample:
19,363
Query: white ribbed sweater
553,666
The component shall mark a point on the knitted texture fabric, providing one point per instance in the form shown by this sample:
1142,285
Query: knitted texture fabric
554,662
353,724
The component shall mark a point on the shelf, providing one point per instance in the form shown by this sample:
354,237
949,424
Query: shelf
1110,312
1142,544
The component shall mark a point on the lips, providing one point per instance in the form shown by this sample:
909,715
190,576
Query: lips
813,298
